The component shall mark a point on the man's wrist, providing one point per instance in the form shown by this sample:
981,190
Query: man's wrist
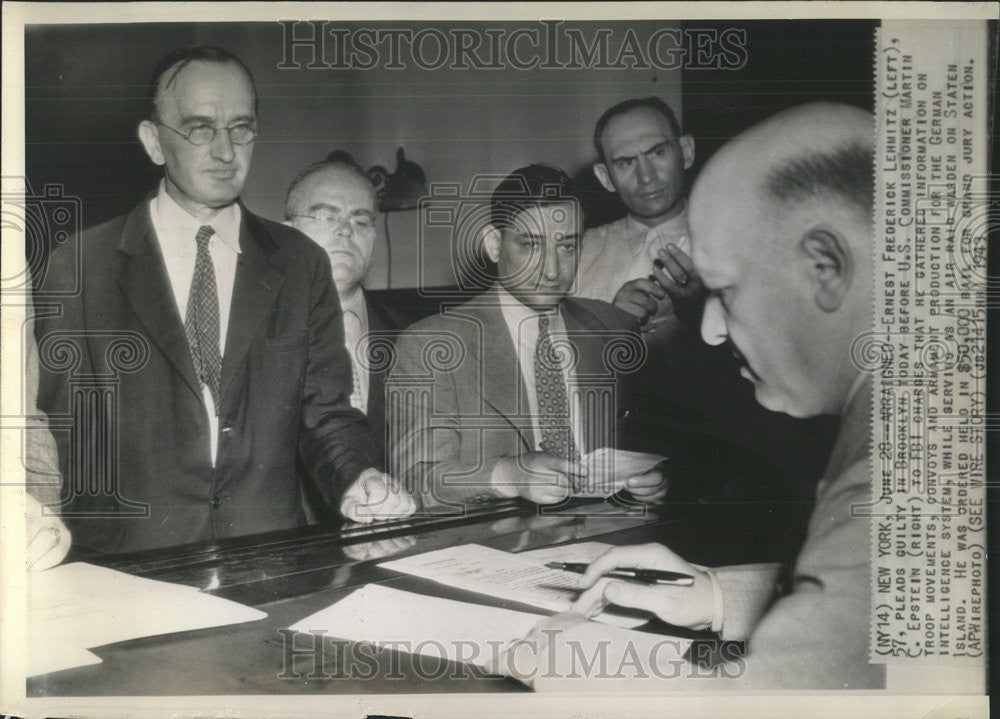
502,478
717,603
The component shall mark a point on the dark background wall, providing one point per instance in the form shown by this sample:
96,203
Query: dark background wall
788,63
85,89
84,98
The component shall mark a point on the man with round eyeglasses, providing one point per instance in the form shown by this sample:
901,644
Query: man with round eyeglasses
239,337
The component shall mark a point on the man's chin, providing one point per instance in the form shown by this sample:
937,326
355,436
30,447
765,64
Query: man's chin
776,403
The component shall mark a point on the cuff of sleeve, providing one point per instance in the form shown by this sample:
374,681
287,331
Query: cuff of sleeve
717,605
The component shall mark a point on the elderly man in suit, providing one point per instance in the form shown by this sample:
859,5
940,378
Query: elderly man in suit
334,203
238,362
787,261
500,397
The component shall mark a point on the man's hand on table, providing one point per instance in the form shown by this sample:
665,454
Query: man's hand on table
536,476
692,606
375,495
48,538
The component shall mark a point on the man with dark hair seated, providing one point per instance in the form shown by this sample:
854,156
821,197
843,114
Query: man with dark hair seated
500,396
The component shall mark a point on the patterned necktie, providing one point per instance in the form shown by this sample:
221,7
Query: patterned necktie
553,404
201,322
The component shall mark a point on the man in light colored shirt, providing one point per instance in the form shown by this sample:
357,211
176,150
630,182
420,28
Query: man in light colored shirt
501,396
641,262
689,394
223,334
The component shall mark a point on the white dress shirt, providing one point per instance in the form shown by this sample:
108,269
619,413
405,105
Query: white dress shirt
624,250
356,341
522,322
175,230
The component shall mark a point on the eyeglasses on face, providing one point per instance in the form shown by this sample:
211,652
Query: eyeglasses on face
242,133
334,220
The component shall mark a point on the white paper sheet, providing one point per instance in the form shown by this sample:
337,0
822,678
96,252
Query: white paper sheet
54,656
609,469
418,624
83,606
503,575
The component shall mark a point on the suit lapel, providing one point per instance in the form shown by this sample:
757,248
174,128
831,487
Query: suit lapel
256,286
377,326
584,333
144,282
501,385
592,374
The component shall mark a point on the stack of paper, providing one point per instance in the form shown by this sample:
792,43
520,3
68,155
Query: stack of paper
78,606
504,575
418,624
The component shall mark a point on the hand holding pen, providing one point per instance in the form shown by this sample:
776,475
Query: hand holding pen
647,576
678,602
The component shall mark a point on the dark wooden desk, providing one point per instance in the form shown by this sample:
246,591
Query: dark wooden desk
292,575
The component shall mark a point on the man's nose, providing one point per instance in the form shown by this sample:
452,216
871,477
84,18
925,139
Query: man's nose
713,322
222,146
645,171
344,228
550,264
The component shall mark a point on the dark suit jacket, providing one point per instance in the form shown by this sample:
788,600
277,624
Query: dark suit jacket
138,470
457,402
384,326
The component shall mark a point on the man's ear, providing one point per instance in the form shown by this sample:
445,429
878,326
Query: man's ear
831,266
603,176
687,148
491,242
150,139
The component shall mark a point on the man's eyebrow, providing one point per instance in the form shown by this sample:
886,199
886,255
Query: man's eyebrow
337,208
324,206
574,236
206,120
197,119
619,158
656,147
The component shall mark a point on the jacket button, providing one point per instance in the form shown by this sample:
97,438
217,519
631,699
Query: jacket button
216,503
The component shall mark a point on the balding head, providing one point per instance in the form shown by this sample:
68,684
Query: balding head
781,224
334,203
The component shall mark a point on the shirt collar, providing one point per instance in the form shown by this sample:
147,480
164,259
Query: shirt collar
674,225
226,224
515,312
355,304
852,393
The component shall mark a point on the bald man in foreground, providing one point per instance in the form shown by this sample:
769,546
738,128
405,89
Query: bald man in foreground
787,261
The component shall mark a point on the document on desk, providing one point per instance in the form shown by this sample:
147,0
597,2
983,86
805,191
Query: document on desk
446,629
79,606
501,574
608,470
